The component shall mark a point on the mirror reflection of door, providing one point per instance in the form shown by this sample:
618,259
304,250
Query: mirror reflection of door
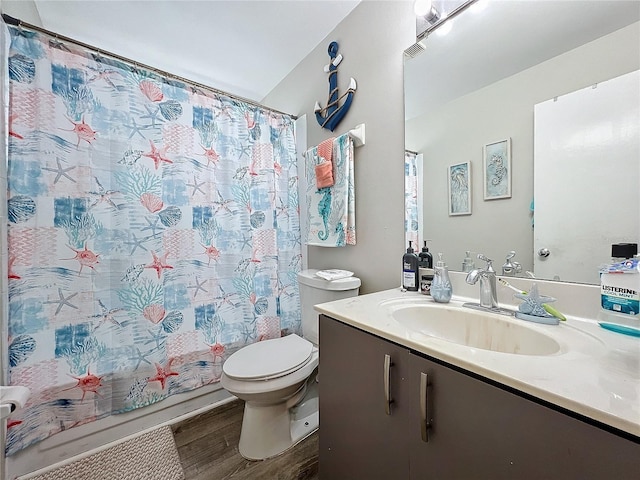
585,143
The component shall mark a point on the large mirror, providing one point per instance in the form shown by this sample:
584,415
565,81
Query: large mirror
474,105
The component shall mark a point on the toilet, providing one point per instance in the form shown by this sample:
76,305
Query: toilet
277,378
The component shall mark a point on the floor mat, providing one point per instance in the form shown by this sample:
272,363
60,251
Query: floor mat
152,455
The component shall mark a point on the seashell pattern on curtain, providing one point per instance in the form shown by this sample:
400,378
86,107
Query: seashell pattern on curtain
152,231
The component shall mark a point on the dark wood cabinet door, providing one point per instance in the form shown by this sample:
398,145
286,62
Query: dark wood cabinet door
358,439
480,431
477,430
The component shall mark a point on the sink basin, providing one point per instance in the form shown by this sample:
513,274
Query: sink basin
473,329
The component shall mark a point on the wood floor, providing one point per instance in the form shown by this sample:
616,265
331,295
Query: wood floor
208,448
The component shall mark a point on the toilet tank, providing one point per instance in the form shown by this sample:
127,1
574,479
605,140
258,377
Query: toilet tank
314,290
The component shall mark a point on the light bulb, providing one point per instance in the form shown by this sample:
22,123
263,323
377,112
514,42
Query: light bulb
422,7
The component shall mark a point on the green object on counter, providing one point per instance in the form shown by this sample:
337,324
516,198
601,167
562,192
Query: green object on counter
548,308
554,312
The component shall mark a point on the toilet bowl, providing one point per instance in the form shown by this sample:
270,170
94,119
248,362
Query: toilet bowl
273,376
277,378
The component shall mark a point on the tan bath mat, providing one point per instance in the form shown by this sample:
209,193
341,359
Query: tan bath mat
151,456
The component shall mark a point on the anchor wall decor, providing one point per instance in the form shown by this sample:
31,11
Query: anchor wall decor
330,116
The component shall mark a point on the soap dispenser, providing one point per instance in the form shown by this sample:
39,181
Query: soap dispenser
426,259
410,271
467,263
441,290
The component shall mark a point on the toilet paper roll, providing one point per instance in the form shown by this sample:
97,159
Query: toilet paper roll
15,396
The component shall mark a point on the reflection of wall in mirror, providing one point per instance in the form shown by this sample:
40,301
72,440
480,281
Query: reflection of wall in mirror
459,130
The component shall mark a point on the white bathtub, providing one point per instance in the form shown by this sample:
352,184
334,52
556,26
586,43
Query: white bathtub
78,442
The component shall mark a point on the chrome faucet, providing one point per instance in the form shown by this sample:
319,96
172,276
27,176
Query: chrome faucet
487,277
511,268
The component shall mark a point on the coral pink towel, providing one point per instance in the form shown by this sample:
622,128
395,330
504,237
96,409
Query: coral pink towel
325,149
324,171
324,175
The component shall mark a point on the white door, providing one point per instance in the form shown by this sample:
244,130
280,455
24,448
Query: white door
587,178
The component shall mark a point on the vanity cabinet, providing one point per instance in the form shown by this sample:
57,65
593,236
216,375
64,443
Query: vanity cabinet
473,429
358,440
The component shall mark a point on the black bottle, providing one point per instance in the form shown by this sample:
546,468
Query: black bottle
426,260
410,277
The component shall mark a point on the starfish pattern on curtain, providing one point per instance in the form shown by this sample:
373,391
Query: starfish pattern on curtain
153,229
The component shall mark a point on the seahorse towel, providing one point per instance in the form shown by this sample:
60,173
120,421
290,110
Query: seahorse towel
331,211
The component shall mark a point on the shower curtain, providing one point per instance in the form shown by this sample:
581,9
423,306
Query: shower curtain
152,231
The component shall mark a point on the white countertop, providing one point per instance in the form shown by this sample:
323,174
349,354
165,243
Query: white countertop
596,373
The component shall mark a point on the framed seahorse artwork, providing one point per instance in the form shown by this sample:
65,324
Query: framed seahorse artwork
496,169
459,182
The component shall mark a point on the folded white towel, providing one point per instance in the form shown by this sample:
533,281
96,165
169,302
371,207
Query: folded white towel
333,274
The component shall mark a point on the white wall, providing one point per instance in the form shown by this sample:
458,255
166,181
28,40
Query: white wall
372,40
24,10
457,132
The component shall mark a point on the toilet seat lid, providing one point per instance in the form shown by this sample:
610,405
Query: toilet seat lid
269,358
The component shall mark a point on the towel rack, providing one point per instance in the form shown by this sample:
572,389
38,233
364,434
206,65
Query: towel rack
357,134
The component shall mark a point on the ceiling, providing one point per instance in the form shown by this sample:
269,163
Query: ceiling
503,38
242,47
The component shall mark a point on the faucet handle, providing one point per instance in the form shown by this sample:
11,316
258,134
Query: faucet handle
484,258
511,267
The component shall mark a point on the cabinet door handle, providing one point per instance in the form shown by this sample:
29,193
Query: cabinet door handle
425,423
387,389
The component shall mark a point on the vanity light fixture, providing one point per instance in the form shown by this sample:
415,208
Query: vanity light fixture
437,14
425,9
